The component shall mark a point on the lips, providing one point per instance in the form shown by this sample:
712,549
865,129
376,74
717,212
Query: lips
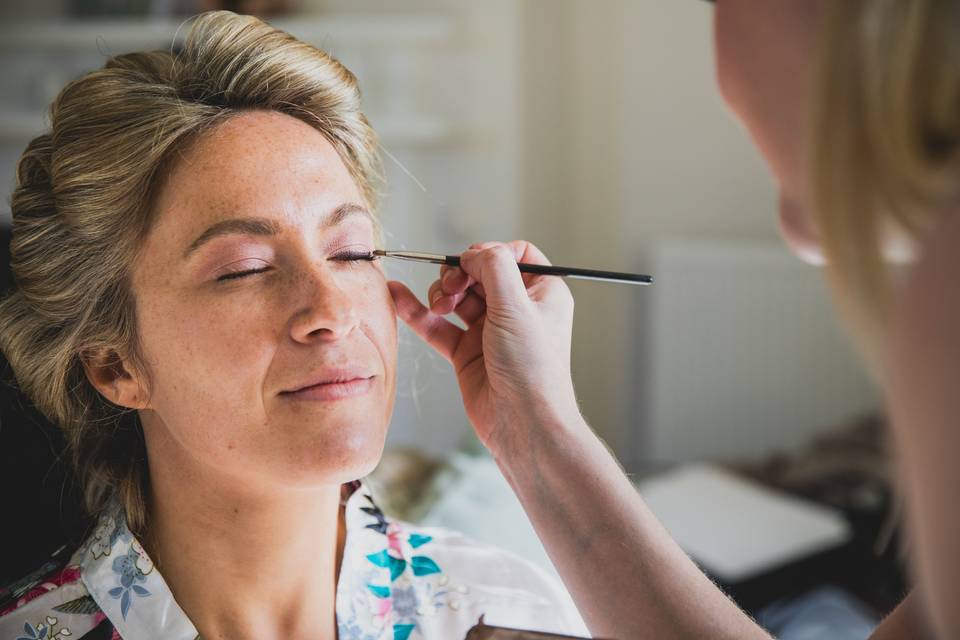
332,384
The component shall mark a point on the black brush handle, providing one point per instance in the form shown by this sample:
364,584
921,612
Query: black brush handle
571,272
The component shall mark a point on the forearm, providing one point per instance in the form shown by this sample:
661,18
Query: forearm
627,576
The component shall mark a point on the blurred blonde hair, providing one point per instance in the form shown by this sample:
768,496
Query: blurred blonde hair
884,155
82,207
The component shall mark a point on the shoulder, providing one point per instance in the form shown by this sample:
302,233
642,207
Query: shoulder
480,579
51,602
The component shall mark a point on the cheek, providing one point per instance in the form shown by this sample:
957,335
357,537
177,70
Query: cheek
733,50
723,66
380,321
764,54
193,349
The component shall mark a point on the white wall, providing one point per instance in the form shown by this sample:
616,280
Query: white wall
746,356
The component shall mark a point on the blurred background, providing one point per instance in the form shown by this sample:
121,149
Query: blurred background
594,129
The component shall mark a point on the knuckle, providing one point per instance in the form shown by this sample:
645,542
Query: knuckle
432,332
498,253
519,247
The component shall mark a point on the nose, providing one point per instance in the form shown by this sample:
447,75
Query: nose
327,311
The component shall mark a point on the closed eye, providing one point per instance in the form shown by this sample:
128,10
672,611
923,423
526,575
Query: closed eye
347,256
241,274
353,256
354,259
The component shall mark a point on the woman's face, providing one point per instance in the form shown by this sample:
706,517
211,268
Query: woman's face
764,61
247,290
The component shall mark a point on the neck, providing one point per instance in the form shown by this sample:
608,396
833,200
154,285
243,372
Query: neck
244,562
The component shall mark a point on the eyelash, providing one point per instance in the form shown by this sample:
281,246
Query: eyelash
341,257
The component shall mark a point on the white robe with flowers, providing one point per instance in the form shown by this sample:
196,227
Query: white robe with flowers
397,582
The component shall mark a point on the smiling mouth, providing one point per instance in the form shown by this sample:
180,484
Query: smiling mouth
333,390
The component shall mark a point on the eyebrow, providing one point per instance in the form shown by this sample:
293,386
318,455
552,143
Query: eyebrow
268,226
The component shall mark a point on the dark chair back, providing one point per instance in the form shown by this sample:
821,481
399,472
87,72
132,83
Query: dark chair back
41,500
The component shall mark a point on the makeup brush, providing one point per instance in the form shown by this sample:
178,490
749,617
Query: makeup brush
540,269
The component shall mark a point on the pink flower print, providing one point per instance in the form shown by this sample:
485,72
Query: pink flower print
383,607
395,540
62,577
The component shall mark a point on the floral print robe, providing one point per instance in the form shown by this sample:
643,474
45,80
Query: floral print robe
397,582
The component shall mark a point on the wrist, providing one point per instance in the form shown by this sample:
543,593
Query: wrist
538,424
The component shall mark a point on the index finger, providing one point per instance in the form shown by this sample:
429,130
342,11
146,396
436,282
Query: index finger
494,267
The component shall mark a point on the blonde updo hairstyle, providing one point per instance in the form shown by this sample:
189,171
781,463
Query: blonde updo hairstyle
82,208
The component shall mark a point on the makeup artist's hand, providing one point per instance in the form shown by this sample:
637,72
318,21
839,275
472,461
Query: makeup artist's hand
513,360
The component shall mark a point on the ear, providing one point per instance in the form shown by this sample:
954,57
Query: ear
115,378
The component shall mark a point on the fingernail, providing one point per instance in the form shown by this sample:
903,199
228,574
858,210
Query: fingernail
445,278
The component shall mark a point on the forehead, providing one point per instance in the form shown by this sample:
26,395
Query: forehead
256,163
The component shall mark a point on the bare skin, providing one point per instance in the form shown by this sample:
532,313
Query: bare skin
245,517
513,366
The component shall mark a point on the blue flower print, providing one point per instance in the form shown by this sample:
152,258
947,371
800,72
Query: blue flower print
130,575
41,631
33,633
405,603
352,631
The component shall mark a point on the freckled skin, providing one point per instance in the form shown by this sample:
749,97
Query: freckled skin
220,352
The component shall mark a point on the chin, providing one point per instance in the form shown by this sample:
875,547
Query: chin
341,453
327,471
357,457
